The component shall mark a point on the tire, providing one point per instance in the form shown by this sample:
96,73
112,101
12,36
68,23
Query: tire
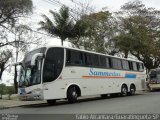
124,90
72,95
51,102
132,90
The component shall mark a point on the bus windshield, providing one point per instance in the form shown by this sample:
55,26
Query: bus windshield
153,74
30,76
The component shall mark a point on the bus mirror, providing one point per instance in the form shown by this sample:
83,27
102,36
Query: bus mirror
34,57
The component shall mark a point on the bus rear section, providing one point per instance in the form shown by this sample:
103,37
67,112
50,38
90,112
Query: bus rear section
154,80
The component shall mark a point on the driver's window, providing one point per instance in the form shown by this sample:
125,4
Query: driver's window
36,73
53,64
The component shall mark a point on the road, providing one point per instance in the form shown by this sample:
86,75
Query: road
147,102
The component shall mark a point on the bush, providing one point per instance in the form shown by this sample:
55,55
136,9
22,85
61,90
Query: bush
10,91
2,90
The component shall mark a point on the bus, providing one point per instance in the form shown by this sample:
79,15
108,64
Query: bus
54,73
153,82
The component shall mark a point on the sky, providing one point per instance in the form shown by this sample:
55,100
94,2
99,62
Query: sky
43,7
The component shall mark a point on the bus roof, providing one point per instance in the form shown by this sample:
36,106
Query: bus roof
129,59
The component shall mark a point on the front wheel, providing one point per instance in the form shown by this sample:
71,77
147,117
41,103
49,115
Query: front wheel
124,91
72,95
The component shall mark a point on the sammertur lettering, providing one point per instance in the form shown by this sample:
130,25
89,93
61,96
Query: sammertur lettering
93,72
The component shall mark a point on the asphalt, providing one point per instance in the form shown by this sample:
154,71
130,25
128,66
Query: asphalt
15,102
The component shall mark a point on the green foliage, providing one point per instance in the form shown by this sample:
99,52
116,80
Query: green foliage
139,34
60,26
10,91
6,90
2,90
11,10
97,30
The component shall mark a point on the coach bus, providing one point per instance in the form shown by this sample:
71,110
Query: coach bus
53,73
153,82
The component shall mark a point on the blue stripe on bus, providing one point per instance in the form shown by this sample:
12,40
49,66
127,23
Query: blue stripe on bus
130,75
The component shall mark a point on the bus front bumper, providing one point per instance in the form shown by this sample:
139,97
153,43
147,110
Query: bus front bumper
35,94
30,97
154,86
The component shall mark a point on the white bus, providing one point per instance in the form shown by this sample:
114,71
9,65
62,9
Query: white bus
153,82
53,73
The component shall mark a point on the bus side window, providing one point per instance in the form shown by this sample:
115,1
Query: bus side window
74,58
95,61
130,65
81,59
116,63
134,66
138,67
102,62
109,60
125,65
141,67
88,59
68,57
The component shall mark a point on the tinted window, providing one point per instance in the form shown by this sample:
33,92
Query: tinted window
134,66
104,62
95,60
88,59
153,74
74,57
125,65
116,63
141,67
53,64
130,65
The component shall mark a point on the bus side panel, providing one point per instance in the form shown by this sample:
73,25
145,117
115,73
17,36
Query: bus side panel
90,84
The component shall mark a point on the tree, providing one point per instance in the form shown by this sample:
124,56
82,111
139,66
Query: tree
99,30
23,39
140,33
60,26
80,30
5,55
11,10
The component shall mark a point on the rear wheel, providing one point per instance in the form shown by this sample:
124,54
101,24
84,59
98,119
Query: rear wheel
132,90
72,95
124,90
51,102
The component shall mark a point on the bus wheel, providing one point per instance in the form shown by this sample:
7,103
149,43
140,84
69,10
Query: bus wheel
51,102
72,95
132,90
124,90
